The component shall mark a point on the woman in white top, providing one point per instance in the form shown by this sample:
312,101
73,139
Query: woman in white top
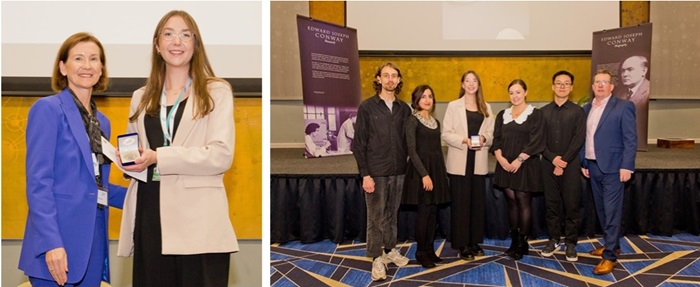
468,119
313,150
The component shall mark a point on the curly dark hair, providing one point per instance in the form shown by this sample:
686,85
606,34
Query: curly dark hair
378,86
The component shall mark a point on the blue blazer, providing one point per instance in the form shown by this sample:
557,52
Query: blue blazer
615,137
61,187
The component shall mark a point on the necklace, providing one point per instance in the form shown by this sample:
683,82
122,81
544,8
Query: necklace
430,122
517,114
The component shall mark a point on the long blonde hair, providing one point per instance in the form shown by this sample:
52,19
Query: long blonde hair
200,71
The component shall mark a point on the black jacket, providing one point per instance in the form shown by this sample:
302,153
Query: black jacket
379,145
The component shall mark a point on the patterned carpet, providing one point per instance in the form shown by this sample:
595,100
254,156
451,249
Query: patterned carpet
646,260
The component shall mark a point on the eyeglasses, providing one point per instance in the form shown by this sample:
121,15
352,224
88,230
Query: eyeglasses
566,84
169,36
601,83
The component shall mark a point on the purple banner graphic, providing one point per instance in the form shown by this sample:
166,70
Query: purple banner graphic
330,76
625,52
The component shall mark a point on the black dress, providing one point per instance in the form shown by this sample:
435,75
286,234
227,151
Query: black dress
151,267
425,158
513,138
468,194
147,233
474,121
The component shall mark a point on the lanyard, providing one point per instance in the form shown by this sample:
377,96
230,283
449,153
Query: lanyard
167,118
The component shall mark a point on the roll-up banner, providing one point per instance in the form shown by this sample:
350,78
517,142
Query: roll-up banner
625,52
330,75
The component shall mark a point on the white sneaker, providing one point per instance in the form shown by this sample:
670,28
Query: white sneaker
394,257
378,269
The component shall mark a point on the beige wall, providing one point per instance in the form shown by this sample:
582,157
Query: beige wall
675,60
285,66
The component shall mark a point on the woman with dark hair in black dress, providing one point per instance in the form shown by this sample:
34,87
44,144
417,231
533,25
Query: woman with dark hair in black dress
425,183
518,139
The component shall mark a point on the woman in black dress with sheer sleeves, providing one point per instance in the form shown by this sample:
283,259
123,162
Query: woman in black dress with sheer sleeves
425,183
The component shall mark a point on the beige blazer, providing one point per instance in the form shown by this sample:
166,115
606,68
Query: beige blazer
193,204
454,131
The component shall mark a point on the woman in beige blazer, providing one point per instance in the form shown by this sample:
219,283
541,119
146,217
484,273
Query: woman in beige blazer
467,164
177,223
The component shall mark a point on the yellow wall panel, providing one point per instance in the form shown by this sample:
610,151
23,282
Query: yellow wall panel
443,74
328,11
14,203
634,13
243,181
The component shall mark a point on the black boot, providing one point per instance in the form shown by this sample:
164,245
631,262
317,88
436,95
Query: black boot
522,247
432,256
513,243
525,248
422,258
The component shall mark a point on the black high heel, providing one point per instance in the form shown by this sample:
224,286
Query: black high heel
424,260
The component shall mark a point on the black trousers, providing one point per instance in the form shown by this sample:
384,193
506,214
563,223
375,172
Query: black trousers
562,190
210,269
467,209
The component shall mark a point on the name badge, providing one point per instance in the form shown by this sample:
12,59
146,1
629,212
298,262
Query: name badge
95,164
102,197
156,174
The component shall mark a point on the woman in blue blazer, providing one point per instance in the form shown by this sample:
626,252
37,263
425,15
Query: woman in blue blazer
68,190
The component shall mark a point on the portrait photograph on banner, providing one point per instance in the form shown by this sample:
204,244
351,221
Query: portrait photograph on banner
330,77
626,53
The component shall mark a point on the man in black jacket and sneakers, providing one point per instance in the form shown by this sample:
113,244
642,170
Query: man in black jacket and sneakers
380,150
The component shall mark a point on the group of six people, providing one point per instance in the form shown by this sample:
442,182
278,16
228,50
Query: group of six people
400,159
